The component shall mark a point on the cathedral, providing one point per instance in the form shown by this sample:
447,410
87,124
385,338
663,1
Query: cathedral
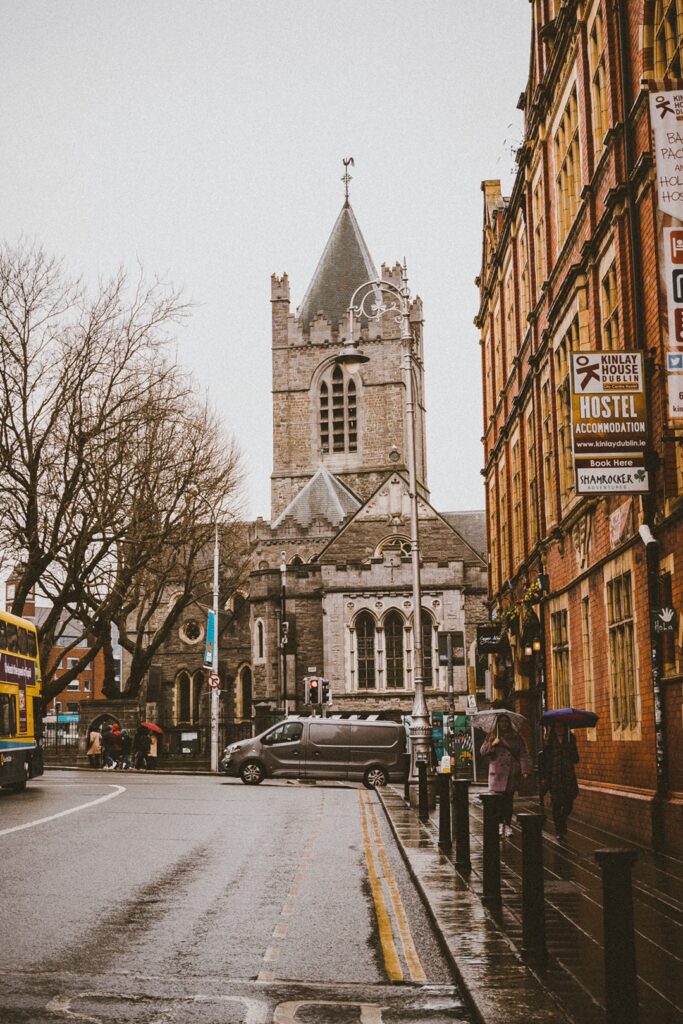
329,592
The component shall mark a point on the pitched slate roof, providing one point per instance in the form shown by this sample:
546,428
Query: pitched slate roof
471,526
344,265
322,497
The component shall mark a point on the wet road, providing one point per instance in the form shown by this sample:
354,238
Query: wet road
162,899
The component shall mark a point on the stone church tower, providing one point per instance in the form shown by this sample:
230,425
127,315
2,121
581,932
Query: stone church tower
325,417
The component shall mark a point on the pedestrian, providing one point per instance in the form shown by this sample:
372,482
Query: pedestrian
126,748
558,776
508,762
94,751
108,747
141,747
153,751
117,748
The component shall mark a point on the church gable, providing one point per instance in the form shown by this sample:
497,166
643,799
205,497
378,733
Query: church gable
386,515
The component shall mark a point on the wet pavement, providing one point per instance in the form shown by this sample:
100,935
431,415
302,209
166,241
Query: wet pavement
484,943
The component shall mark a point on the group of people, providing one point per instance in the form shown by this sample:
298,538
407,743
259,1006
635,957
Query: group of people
114,748
509,762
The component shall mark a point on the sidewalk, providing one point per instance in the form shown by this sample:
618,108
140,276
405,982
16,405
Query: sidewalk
484,945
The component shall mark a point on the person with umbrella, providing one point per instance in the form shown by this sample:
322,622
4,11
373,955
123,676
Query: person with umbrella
141,745
559,755
508,761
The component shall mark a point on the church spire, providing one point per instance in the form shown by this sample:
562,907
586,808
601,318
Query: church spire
347,177
344,265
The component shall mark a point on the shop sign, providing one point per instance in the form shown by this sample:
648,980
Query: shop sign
609,422
490,638
666,117
664,620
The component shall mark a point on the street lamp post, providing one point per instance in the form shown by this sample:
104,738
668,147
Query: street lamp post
284,629
215,683
372,300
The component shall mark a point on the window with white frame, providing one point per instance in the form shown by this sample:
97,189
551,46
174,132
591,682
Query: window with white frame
428,641
668,39
622,657
568,344
609,309
503,519
598,75
538,222
532,485
567,167
548,450
587,653
559,641
517,525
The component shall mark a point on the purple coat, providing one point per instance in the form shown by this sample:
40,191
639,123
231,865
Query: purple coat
509,759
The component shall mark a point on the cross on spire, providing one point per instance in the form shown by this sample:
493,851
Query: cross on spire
347,177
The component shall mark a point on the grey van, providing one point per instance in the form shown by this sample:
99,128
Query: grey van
373,753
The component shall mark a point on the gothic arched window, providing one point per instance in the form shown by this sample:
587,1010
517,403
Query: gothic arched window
428,648
183,697
393,651
365,651
198,683
342,424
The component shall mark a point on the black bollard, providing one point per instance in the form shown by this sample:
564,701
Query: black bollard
422,794
491,803
621,979
443,789
533,898
461,824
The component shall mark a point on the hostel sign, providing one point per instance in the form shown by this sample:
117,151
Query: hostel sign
609,422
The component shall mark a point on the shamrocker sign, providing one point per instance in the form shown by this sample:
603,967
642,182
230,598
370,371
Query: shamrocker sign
609,422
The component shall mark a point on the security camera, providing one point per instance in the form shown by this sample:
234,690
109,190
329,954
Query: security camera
646,534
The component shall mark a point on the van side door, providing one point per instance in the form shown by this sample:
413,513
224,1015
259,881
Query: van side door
327,752
282,750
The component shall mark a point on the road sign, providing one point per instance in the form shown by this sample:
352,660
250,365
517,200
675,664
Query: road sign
214,681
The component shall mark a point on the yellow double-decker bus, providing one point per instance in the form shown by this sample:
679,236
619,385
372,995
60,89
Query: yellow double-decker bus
21,706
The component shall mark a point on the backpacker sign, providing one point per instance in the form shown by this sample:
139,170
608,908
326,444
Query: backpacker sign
609,422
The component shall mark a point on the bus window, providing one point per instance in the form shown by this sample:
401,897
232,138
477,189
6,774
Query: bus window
32,649
3,634
23,640
12,638
8,714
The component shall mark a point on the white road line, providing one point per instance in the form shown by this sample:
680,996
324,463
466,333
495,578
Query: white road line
61,814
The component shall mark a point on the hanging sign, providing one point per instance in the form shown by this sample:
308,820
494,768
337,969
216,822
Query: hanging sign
609,422
210,645
666,118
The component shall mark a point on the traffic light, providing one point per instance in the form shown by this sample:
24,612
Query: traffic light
313,690
326,693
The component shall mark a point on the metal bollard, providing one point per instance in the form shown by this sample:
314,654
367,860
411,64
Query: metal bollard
491,803
621,979
422,794
443,788
461,824
533,897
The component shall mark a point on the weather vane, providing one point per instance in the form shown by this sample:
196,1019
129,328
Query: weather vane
347,177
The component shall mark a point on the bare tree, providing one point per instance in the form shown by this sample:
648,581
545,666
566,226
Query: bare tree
101,439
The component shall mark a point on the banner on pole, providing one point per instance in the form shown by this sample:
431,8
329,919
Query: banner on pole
209,645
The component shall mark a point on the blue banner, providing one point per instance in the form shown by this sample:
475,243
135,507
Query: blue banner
209,646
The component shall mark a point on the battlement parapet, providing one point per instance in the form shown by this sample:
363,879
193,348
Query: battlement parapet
279,288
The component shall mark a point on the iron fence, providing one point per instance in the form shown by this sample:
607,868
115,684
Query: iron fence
60,737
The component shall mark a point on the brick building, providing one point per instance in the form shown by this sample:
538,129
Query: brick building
572,262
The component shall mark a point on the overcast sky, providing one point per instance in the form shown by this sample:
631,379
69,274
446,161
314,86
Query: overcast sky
204,138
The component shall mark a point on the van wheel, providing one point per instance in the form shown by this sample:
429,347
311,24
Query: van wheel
252,773
375,777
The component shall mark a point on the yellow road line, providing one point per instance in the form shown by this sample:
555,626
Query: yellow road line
416,969
391,961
